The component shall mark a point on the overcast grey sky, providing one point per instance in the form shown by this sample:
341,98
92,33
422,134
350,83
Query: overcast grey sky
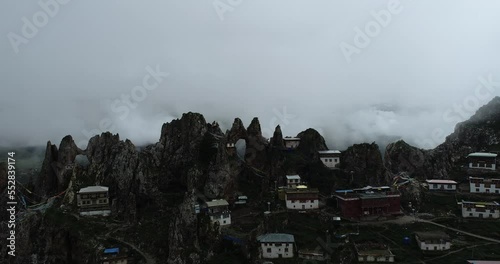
242,58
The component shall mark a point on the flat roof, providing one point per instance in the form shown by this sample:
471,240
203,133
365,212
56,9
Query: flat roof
483,261
313,190
480,203
441,181
215,203
432,235
329,152
276,237
93,189
368,188
483,154
292,177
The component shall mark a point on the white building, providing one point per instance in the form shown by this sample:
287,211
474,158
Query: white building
373,252
292,181
433,241
442,185
480,209
93,200
302,199
219,212
484,185
276,245
329,157
481,160
291,143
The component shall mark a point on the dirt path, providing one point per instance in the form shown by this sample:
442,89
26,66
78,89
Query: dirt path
460,231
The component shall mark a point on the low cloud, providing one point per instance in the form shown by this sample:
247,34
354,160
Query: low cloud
263,57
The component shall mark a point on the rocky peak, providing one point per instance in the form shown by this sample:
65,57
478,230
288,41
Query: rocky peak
364,162
254,128
489,113
237,131
311,142
256,145
190,126
401,157
277,140
480,133
46,183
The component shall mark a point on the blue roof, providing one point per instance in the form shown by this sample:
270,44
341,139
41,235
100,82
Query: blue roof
111,251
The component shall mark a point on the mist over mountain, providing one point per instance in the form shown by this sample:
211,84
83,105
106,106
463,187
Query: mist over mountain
80,78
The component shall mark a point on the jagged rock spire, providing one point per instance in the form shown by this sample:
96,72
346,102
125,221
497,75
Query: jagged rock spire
277,140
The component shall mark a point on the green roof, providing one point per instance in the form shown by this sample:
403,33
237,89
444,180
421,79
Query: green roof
482,154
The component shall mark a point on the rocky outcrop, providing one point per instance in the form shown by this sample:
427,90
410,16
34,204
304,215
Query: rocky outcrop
480,133
365,165
236,132
311,142
277,139
256,146
56,168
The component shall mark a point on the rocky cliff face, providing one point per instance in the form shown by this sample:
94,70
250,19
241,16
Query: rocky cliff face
480,133
153,190
365,165
311,142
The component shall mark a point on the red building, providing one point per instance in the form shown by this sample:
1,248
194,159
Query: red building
357,205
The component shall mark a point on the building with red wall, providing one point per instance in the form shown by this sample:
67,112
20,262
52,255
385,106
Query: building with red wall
358,205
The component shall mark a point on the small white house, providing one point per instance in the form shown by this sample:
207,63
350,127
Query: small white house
373,252
482,160
329,157
433,241
291,142
302,199
442,185
292,181
219,212
276,245
484,185
480,209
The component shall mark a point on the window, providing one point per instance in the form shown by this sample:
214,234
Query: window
286,250
470,214
330,160
477,189
269,250
336,160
